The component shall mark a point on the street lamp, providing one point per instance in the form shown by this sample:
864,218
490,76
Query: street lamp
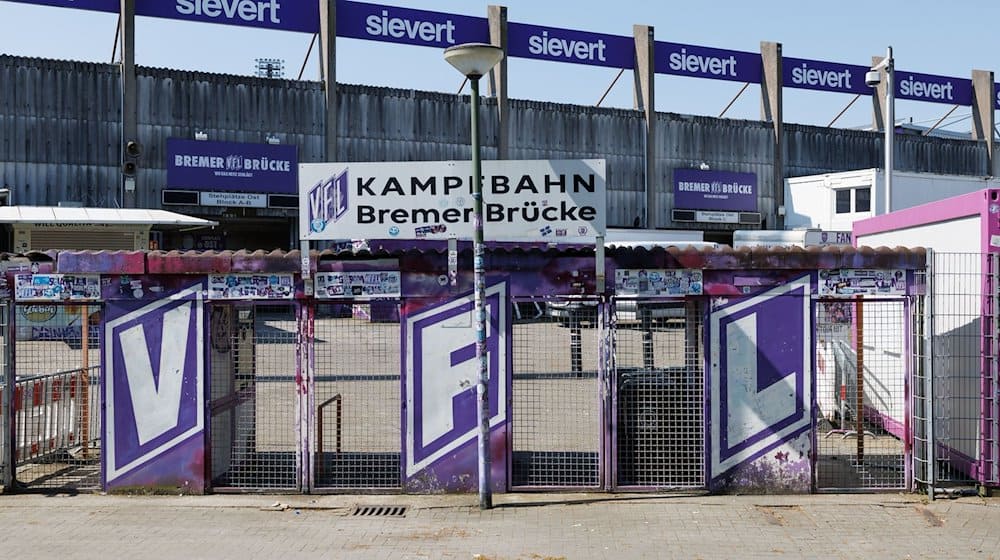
474,60
872,78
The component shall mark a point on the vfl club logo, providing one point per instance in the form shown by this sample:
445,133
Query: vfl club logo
328,202
234,163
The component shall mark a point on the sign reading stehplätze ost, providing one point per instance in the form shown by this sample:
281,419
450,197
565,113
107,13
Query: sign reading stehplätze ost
231,166
527,200
695,189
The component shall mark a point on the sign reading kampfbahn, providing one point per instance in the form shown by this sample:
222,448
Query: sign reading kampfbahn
555,200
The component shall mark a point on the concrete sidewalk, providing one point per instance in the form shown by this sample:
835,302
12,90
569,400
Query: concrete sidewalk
526,526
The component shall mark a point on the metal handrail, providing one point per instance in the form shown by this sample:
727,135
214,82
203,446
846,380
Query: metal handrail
319,422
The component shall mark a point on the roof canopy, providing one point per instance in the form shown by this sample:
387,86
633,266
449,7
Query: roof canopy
104,216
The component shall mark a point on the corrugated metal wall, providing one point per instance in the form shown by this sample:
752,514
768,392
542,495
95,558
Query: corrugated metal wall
60,134
59,131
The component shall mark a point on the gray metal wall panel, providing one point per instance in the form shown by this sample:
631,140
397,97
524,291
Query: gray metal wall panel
227,108
60,134
59,131
552,131
812,150
725,144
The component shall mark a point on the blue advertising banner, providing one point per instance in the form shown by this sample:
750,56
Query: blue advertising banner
358,20
824,76
93,5
270,14
934,89
695,189
567,45
705,62
231,166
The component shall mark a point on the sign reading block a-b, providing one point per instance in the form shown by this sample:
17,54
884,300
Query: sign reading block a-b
533,200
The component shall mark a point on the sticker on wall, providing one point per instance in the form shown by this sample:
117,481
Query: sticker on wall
358,285
57,287
658,282
866,281
250,286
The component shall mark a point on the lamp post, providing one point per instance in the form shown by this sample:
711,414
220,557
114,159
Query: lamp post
872,79
474,60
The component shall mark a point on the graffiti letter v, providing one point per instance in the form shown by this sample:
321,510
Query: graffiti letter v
156,401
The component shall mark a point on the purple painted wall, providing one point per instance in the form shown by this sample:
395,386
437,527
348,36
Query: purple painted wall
758,381
441,425
153,389
760,390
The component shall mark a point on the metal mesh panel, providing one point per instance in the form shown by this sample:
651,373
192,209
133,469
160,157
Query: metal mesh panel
6,466
862,365
254,398
556,415
56,401
963,365
358,407
659,394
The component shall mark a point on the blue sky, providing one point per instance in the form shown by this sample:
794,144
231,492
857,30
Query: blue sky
930,37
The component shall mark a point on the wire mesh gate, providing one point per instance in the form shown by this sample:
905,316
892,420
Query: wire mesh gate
56,436
6,394
956,393
356,383
863,368
557,414
607,395
659,394
253,401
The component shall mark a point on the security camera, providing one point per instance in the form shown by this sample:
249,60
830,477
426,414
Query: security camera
873,78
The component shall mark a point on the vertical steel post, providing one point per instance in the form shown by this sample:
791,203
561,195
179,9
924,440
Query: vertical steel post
929,375
890,126
993,389
859,413
479,279
85,376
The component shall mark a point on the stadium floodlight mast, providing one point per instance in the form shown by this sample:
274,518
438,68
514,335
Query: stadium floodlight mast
873,78
474,60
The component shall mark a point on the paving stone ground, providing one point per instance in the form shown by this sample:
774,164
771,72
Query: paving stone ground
521,526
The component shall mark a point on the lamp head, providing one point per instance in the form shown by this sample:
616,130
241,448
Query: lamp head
473,60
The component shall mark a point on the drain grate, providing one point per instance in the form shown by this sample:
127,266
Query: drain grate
379,511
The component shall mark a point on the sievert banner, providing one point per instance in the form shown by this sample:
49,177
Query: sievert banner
531,200
933,89
705,62
231,166
285,15
567,45
359,20
695,189
391,24
824,76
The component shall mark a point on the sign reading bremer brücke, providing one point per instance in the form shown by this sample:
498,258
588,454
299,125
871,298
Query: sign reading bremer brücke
556,200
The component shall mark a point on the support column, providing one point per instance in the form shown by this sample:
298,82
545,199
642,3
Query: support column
983,115
878,97
130,113
645,101
328,69
498,79
771,111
